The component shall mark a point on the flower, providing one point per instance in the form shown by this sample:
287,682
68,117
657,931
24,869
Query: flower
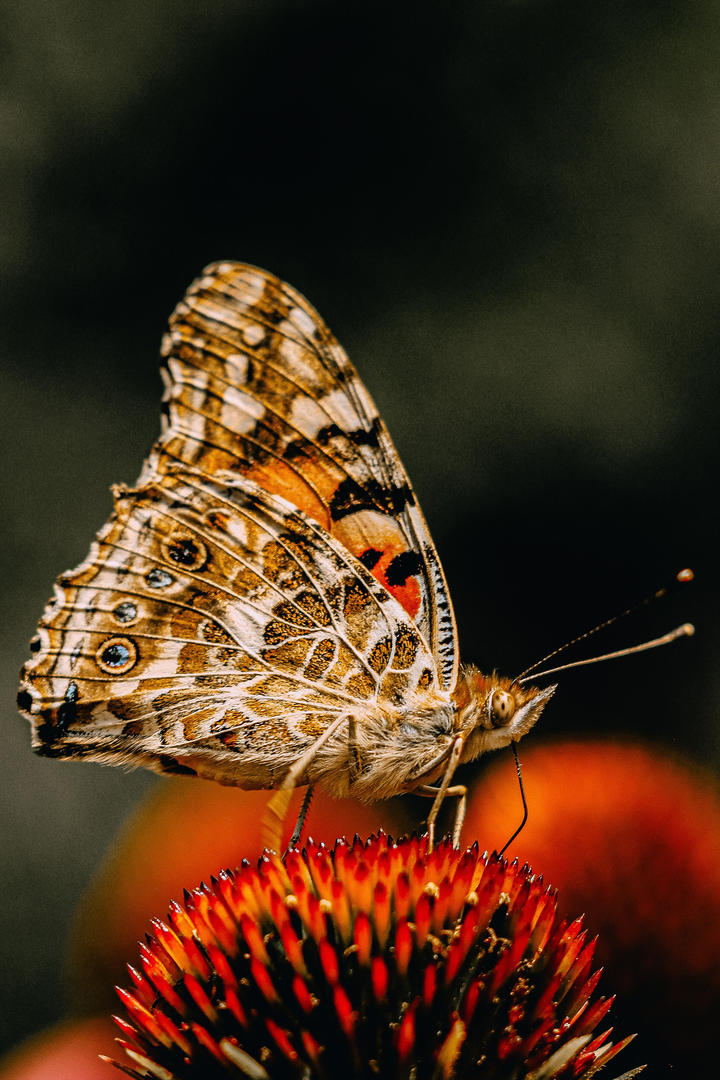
630,835
69,1049
366,959
182,833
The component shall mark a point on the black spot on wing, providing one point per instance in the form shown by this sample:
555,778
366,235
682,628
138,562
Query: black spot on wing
68,710
349,498
24,701
370,558
183,551
172,766
325,435
296,448
365,436
48,747
54,723
403,566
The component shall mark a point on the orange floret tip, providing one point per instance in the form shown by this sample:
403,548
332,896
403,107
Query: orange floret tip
363,937
367,959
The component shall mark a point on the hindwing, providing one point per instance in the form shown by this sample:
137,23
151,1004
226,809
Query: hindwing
216,628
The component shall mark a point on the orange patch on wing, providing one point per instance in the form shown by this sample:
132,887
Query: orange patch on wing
407,595
361,532
310,492
368,531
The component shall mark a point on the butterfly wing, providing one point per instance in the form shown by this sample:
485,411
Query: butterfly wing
258,385
216,629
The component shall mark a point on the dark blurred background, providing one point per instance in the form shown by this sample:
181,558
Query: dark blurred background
508,212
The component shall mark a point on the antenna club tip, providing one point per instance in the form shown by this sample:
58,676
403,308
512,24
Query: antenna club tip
687,629
685,575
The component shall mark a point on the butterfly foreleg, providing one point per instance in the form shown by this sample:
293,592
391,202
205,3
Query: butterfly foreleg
444,789
354,759
458,790
277,806
461,791
300,823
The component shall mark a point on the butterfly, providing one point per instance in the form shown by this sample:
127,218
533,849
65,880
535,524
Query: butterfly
265,606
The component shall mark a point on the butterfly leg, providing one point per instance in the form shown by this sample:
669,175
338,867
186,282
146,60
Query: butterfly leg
461,791
457,790
354,761
278,804
300,823
443,790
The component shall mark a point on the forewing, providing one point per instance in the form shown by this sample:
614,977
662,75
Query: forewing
216,628
257,384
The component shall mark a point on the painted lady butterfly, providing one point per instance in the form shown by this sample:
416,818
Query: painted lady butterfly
266,607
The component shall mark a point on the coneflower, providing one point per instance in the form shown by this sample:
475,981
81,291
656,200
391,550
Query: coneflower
370,959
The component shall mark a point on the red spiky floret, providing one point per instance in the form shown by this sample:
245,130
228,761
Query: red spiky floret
374,959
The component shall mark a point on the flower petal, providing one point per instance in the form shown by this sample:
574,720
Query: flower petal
185,832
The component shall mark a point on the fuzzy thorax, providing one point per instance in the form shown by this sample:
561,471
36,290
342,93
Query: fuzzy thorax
397,752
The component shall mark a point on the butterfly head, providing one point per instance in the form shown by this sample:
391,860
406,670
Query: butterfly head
494,711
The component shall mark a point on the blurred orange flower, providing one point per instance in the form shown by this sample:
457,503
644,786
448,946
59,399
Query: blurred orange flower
66,1052
630,836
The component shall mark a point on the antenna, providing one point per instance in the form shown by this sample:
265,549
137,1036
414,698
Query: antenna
686,630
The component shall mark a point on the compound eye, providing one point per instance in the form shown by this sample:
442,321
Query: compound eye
501,708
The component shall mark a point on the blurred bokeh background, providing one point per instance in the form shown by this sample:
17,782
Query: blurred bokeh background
508,212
